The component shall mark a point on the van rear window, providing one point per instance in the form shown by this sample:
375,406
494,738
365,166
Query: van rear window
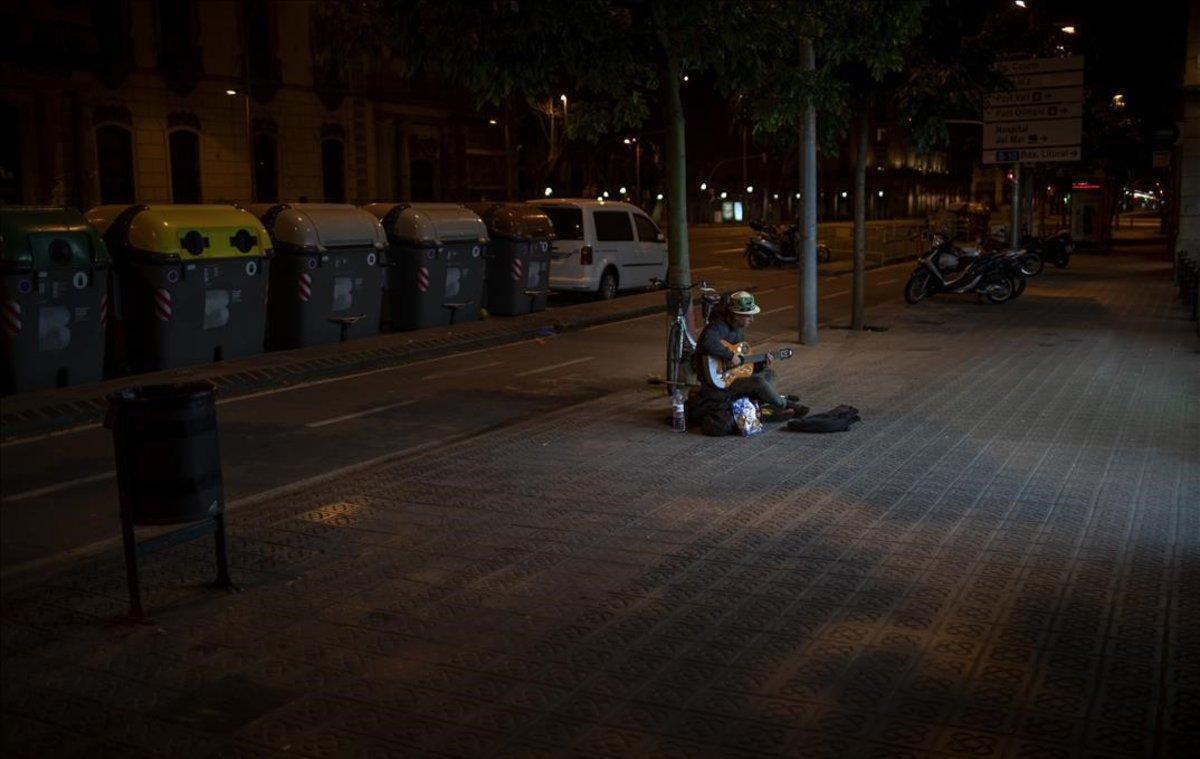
567,222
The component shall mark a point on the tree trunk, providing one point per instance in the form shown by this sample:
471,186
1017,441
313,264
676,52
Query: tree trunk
860,222
808,160
679,270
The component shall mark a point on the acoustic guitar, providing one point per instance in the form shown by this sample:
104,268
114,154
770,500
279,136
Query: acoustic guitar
720,373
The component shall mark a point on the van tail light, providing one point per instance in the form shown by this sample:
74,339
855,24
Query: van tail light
585,255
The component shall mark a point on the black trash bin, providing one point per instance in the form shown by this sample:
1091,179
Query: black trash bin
54,272
435,264
326,276
191,284
168,463
518,257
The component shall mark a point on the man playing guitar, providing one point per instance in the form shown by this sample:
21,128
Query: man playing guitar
725,332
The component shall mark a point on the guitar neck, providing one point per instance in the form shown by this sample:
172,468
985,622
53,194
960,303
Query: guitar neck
754,358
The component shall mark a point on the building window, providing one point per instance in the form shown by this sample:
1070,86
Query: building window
333,170
266,169
114,158
185,166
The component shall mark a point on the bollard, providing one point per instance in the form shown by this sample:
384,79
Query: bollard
168,472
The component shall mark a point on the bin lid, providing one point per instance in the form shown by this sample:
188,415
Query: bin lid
41,237
434,223
102,217
197,231
323,225
516,221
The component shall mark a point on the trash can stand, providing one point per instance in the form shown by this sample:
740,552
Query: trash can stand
326,274
54,271
167,455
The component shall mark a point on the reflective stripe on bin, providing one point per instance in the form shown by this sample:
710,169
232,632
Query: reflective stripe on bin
103,310
304,285
517,269
12,317
162,304
423,279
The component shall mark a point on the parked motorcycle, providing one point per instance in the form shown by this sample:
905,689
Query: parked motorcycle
770,246
1055,248
1027,258
945,268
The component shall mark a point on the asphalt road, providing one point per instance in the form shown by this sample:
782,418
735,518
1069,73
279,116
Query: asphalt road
60,491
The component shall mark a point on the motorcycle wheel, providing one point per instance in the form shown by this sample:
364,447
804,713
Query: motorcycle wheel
755,260
1019,281
1031,264
1062,261
998,290
917,287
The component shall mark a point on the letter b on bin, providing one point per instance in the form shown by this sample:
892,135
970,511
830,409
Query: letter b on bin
168,459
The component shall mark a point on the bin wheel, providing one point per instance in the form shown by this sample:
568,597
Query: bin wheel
608,284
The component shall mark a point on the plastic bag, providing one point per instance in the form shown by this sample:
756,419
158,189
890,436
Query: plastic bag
745,413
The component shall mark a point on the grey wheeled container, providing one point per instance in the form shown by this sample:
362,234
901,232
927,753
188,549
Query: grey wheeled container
518,257
54,272
191,285
326,275
435,264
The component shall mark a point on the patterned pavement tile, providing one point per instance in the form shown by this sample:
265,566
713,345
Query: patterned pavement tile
1003,567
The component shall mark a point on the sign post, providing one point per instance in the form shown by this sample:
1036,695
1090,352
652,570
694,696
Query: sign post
1038,121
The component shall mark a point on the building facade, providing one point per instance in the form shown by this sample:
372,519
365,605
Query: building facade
153,101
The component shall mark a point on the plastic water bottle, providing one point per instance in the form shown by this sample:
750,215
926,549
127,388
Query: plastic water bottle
678,418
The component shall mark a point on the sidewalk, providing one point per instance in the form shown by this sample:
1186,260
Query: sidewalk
998,561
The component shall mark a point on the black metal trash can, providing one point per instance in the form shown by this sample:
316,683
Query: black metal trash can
518,257
435,264
327,274
54,272
167,453
168,472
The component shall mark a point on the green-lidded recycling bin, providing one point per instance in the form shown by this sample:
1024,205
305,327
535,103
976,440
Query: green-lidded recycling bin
191,284
326,274
54,270
435,264
518,257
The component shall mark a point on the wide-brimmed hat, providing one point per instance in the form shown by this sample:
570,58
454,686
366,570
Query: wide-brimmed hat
742,303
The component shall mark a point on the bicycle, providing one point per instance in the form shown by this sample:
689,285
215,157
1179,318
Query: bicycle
681,343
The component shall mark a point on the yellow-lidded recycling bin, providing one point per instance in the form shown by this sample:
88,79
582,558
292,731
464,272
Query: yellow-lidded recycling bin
191,284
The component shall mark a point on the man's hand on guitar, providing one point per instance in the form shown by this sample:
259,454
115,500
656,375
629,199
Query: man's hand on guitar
770,359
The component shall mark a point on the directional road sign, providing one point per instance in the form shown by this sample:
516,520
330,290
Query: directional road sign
1040,119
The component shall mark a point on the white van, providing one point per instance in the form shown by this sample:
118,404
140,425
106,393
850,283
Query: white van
603,247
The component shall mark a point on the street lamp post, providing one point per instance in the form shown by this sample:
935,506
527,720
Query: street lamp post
637,168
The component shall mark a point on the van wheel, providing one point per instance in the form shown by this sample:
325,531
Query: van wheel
608,284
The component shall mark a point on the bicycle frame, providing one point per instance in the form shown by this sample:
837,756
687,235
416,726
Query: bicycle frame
681,343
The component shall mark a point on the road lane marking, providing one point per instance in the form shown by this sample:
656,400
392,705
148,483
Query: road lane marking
707,268
457,372
834,295
777,310
51,489
738,249
552,367
357,414
889,281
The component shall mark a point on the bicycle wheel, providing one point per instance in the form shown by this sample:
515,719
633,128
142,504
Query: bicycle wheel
676,368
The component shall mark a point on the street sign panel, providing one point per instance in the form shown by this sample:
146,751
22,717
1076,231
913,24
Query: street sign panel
1052,79
1032,155
1036,97
1026,112
1040,133
1041,65
1041,117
